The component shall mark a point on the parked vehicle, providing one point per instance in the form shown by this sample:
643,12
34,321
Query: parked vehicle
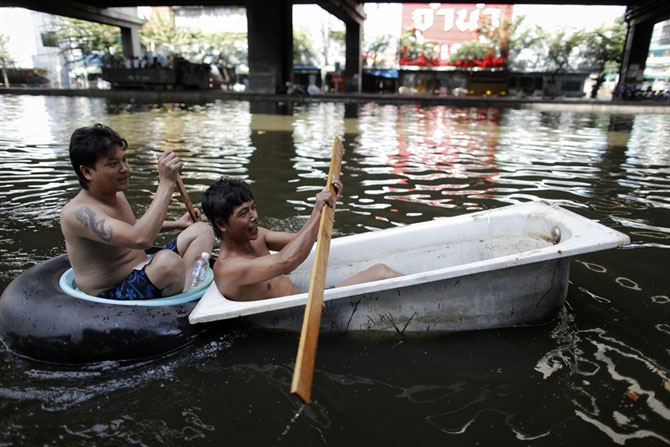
182,75
27,77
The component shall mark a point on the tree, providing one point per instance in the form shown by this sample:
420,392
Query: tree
338,37
303,51
559,51
376,48
494,46
5,58
603,50
80,39
519,38
415,51
332,40
159,33
230,48
472,53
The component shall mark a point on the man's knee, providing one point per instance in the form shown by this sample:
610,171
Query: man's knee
383,271
200,233
197,231
166,268
203,230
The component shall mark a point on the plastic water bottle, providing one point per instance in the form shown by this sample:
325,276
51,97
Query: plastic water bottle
200,270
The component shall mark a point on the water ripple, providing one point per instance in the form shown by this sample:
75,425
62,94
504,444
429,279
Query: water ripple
586,360
599,370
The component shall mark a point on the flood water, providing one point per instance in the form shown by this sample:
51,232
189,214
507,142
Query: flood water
597,375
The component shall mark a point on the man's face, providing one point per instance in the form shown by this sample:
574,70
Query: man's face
111,171
243,222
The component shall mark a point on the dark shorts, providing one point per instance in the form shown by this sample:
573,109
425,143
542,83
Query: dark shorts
137,286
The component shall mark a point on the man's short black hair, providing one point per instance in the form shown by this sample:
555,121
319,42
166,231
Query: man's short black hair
87,144
222,197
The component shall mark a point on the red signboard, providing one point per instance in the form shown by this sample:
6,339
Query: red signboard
448,25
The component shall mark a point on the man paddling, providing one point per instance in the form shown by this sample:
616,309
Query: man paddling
245,269
106,243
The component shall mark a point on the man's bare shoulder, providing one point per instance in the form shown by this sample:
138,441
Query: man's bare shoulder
77,205
77,200
80,200
84,217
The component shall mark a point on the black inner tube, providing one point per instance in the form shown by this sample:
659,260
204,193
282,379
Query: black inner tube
39,321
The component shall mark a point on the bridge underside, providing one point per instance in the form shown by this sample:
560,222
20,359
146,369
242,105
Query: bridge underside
270,27
641,19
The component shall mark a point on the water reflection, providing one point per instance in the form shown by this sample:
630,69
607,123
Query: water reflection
596,375
594,358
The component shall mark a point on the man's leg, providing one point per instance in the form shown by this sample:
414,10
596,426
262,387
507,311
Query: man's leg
191,242
374,273
166,272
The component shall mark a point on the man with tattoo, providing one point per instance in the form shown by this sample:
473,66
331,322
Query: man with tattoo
246,269
106,243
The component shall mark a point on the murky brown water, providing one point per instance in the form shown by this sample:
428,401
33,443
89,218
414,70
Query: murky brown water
597,375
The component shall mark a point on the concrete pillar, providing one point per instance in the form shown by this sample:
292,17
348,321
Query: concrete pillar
130,41
270,37
354,61
636,50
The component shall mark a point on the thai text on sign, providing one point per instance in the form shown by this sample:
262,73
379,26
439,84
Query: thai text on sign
448,25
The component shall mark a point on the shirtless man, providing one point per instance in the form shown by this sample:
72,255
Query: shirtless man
245,269
103,239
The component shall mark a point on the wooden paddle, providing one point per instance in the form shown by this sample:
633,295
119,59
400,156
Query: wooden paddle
304,363
186,199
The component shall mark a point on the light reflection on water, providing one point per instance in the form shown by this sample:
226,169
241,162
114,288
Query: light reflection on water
599,374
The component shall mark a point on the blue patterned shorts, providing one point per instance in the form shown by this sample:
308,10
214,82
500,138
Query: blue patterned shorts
137,286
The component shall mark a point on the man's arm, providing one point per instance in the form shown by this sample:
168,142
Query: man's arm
244,271
277,240
92,222
182,223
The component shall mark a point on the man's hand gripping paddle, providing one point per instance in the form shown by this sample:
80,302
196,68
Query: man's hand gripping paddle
304,363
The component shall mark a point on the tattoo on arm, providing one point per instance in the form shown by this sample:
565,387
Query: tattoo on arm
87,218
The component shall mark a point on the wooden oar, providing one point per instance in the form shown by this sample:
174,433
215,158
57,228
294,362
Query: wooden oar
186,199
304,363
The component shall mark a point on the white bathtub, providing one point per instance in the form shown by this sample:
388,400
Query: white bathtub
495,268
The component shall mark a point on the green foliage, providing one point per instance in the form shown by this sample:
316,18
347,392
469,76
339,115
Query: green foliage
518,39
338,37
5,59
494,46
605,45
230,48
471,50
557,52
560,51
411,49
496,38
82,38
603,50
160,34
376,48
303,51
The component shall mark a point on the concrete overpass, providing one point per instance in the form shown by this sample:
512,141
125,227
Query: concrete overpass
270,28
